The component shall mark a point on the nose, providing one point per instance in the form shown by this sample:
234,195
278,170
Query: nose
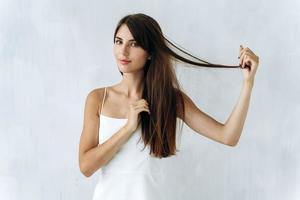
124,50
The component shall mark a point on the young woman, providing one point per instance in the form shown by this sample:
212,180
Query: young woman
130,125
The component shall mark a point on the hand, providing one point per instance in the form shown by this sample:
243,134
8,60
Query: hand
249,63
133,116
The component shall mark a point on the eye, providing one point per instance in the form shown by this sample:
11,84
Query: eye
134,44
117,41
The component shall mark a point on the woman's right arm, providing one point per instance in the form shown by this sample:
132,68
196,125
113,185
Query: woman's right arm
91,156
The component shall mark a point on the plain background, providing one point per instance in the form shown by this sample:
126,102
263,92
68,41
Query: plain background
54,52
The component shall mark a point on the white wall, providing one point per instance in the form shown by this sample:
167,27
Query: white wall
53,52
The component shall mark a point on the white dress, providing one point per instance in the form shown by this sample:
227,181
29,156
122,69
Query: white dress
132,174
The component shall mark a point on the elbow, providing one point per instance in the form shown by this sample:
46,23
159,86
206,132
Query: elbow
85,170
86,174
229,139
231,142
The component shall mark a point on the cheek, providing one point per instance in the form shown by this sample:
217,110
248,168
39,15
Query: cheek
141,59
142,55
115,51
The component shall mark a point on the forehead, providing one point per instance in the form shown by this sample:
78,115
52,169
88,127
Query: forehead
124,33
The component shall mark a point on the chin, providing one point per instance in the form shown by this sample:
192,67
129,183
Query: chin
123,70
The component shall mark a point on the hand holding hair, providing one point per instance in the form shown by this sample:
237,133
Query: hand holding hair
248,62
134,113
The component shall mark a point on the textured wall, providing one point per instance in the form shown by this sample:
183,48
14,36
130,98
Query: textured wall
53,52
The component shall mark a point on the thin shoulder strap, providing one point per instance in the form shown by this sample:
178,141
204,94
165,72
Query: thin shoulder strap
103,100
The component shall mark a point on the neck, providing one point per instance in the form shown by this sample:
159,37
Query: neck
132,85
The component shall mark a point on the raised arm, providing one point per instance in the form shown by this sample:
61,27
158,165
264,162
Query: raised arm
230,132
202,123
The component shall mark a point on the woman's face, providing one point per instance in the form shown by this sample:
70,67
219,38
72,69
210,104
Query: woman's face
127,49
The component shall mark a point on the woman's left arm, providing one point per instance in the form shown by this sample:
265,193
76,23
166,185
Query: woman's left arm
229,132
234,125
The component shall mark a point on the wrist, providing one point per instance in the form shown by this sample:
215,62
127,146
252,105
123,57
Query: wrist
126,128
248,83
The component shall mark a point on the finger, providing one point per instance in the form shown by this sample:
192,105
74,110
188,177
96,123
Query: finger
243,63
141,106
242,57
251,57
240,51
257,59
142,109
243,60
142,101
139,102
247,61
145,103
241,47
249,51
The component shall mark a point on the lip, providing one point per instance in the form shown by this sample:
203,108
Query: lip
125,61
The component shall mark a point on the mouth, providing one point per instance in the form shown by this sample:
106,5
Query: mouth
124,62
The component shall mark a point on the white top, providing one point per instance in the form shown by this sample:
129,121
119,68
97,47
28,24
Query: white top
132,174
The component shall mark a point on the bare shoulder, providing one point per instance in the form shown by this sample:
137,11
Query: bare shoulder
191,109
95,93
189,106
95,97
186,100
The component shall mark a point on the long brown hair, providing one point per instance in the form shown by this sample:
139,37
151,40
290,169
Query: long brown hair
161,88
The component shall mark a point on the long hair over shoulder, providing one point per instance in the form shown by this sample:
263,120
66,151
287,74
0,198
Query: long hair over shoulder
161,88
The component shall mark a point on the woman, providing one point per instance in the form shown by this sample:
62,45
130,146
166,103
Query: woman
141,111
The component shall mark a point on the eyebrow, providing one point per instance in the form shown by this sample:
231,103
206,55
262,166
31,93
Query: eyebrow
122,39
